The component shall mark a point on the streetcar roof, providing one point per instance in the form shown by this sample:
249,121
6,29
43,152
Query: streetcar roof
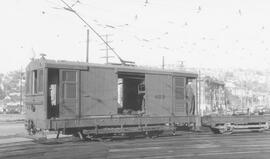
61,64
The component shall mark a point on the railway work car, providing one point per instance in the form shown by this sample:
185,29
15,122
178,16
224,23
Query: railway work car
99,99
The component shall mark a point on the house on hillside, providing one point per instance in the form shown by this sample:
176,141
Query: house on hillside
13,107
212,96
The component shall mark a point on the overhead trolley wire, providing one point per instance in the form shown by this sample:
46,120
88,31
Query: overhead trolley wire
69,8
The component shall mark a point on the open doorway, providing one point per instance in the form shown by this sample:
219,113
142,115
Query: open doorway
53,93
190,96
131,93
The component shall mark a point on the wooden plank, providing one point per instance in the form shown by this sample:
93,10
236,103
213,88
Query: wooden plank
69,103
98,92
67,66
213,120
45,92
158,98
35,110
78,94
128,129
118,121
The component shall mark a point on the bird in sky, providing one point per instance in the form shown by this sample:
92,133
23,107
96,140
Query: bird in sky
199,9
240,12
146,2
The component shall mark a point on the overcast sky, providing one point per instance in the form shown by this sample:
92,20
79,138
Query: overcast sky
202,33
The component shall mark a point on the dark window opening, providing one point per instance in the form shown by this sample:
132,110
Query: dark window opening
70,90
69,76
37,81
53,93
131,93
27,83
180,88
34,79
69,79
40,80
179,93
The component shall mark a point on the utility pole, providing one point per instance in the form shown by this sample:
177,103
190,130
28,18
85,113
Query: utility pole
199,94
21,76
87,46
163,62
241,86
181,65
107,48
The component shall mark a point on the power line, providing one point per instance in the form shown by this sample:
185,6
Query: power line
69,8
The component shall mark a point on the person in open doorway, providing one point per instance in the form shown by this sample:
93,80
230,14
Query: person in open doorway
190,99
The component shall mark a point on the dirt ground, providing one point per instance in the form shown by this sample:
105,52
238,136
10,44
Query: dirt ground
11,125
8,129
11,117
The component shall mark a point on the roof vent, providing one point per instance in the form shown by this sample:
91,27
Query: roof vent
42,56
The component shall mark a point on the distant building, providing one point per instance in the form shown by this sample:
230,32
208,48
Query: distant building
13,107
212,98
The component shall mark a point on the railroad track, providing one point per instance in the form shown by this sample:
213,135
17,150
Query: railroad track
247,145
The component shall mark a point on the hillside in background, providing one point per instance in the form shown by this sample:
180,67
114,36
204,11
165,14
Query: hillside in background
12,91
